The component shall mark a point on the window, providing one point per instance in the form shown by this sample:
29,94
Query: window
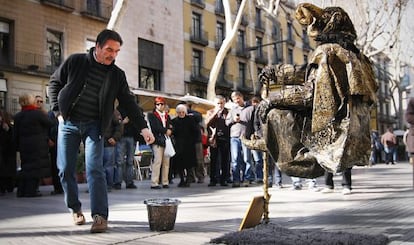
196,63
196,26
5,43
93,7
289,29
149,78
241,40
242,74
290,56
89,44
259,23
54,46
259,50
150,59
219,33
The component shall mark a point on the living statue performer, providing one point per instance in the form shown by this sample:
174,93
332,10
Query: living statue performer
320,118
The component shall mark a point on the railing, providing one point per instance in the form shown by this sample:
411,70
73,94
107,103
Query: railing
199,37
102,13
66,5
259,26
242,52
261,58
199,3
199,74
34,62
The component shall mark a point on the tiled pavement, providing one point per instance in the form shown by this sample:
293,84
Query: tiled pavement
382,202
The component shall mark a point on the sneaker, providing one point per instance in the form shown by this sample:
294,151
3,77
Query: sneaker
156,187
131,186
346,191
296,187
327,190
78,218
235,184
117,186
99,224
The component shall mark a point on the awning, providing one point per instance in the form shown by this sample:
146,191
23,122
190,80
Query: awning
146,100
3,85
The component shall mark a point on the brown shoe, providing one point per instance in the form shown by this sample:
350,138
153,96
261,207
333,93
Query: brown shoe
78,218
99,224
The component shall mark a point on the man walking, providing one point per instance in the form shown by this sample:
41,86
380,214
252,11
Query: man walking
82,92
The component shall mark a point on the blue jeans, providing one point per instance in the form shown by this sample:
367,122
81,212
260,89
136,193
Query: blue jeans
258,160
109,165
70,135
241,159
124,160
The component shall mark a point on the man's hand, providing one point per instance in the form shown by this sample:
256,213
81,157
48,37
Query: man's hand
148,136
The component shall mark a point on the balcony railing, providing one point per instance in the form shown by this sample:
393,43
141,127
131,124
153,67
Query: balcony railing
261,58
199,37
259,26
242,52
33,62
198,3
199,74
101,12
66,5
244,20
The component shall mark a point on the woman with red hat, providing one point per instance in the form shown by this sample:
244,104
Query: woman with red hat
160,123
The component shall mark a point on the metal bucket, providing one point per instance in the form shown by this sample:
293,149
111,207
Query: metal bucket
162,213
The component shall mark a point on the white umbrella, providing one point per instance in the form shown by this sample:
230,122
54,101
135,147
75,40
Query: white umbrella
198,104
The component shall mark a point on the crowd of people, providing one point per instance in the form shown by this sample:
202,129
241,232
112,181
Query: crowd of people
91,105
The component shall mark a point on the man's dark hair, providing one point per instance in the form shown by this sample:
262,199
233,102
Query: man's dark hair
106,35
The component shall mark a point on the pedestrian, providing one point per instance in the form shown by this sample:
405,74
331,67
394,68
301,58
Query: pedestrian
7,154
198,172
241,156
112,135
376,147
219,142
31,135
346,182
125,152
82,93
53,133
161,127
184,133
389,141
409,118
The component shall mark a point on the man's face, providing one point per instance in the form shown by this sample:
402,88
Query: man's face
108,52
219,103
39,101
238,100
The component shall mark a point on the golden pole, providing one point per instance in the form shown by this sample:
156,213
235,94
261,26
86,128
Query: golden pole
265,188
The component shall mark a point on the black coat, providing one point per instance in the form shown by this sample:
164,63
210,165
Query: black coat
7,153
31,137
184,132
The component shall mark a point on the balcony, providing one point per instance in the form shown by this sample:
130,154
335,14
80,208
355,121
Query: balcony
198,3
259,26
32,63
219,9
225,80
242,52
261,58
65,5
199,37
244,20
101,12
199,74
245,85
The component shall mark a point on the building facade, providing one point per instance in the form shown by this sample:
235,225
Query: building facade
260,41
36,36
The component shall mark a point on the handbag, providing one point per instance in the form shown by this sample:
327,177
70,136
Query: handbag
169,150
